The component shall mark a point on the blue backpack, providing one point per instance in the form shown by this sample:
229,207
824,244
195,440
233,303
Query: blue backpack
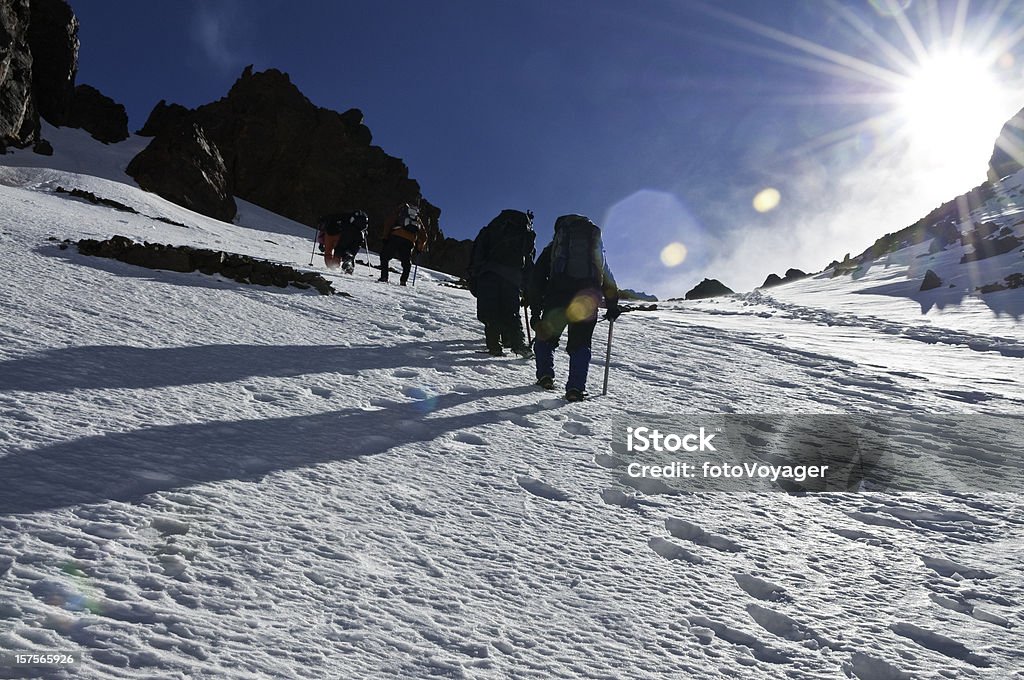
576,250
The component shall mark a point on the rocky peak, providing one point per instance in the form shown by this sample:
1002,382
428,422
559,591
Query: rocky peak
19,119
299,160
1008,155
53,41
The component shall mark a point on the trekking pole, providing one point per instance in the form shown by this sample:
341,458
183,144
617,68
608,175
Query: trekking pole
366,247
416,269
316,238
608,356
526,317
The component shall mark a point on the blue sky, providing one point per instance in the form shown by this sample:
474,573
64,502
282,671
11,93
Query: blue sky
660,120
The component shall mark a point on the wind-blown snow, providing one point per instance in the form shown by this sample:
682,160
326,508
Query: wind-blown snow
200,478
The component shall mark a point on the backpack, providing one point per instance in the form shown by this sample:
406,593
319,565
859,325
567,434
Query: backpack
330,224
510,239
409,219
359,222
577,251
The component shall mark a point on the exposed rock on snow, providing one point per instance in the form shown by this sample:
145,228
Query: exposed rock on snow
181,165
708,288
931,280
239,268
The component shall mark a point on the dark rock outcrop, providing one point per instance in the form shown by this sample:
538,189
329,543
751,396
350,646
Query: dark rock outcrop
163,118
708,288
240,268
792,274
931,281
19,118
1012,281
182,166
1008,155
449,255
53,41
988,240
98,114
630,294
296,159
38,65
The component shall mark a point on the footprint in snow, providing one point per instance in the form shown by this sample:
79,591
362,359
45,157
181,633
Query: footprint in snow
671,551
939,643
786,627
523,421
404,373
865,667
759,649
619,498
949,568
542,489
693,533
761,589
470,438
609,461
321,392
578,429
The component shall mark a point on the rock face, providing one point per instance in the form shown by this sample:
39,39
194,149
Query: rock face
182,166
792,274
38,65
988,240
19,119
163,118
53,41
97,114
931,281
1008,155
287,155
708,288
449,255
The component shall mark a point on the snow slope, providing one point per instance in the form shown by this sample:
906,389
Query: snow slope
205,479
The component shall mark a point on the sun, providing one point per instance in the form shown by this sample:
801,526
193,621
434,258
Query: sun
949,104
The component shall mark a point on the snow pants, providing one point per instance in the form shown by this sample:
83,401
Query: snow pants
549,332
398,248
497,308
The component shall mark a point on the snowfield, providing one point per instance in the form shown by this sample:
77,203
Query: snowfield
204,479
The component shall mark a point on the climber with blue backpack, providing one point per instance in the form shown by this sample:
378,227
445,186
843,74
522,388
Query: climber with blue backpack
569,282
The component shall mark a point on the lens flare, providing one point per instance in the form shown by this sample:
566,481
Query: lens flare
890,8
767,200
582,308
673,254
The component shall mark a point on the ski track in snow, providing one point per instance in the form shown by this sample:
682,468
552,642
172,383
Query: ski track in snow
204,479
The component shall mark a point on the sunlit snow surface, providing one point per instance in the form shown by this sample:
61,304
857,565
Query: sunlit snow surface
220,480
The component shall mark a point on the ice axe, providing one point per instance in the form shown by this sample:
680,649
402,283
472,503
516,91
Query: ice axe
608,351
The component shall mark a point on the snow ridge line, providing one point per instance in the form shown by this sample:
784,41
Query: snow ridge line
1007,347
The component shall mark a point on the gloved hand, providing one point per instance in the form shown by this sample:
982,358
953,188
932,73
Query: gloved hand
614,311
